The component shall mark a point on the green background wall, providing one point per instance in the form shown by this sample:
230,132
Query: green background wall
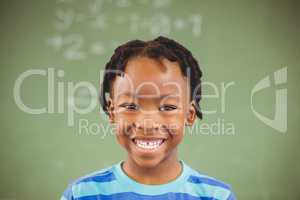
235,41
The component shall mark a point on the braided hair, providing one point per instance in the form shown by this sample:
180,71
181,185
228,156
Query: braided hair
160,47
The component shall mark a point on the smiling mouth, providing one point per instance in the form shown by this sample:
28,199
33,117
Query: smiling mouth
148,144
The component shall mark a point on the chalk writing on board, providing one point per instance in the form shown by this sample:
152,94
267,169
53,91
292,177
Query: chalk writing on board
85,29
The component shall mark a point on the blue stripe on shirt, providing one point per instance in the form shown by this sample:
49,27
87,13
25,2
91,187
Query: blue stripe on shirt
209,181
102,177
135,196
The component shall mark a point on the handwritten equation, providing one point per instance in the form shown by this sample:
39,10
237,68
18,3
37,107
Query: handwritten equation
75,20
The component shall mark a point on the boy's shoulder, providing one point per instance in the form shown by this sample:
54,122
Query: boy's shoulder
209,185
103,175
78,185
197,176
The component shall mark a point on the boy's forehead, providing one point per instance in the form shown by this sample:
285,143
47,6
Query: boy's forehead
126,84
150,65
145,76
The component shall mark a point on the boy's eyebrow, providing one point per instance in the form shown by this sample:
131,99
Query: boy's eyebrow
129,94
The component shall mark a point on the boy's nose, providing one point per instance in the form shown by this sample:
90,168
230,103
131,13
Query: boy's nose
146,125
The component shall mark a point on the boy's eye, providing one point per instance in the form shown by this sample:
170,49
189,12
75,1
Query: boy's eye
129,106
167,107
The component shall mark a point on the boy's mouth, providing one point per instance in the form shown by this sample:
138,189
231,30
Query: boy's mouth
148,143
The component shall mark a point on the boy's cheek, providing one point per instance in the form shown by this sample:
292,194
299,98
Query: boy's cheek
123,130
122,138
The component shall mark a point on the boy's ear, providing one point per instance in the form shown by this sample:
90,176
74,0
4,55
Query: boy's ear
191,114
111,111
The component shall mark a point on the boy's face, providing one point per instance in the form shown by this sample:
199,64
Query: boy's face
150,106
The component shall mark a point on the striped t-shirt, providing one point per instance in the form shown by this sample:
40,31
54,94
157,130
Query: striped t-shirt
113,184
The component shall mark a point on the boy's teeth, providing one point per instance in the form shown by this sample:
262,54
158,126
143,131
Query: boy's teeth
148,144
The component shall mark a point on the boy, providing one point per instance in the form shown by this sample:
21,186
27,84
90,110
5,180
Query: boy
151,91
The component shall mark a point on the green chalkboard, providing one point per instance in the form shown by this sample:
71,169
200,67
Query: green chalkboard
53,130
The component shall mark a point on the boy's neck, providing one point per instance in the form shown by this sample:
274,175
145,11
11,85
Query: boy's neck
166,171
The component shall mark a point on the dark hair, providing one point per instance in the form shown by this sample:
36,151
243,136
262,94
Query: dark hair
160,47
